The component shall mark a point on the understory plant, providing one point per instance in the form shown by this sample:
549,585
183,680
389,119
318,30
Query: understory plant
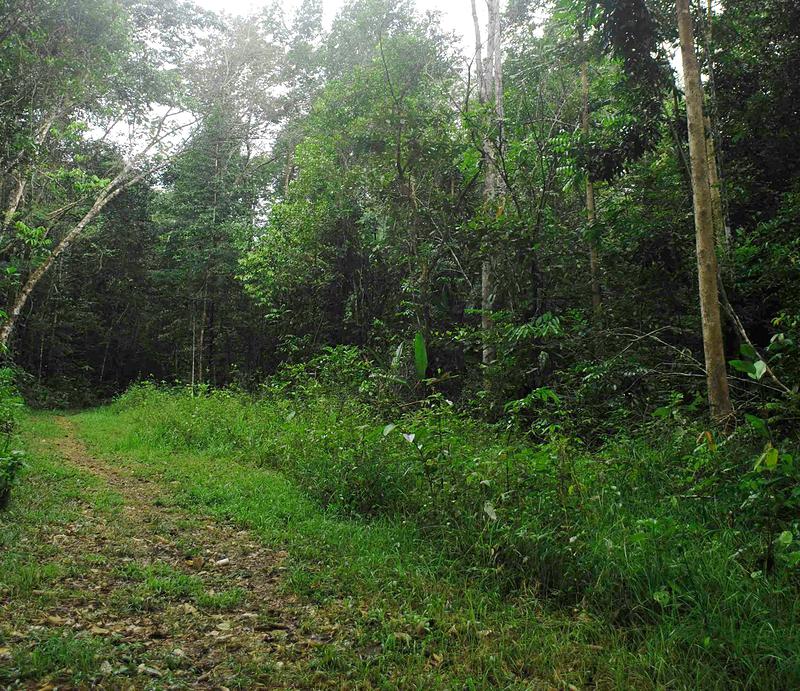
11,459
684,537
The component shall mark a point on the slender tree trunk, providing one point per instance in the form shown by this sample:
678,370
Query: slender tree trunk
716,374
715,176
13,201
490,80
201,346
212,367
479,73
21,299
591,213
194,347
20,177
721,228
288,172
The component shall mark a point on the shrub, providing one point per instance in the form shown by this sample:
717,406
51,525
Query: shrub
11,459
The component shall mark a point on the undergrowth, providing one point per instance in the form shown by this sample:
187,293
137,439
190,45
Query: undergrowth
685,540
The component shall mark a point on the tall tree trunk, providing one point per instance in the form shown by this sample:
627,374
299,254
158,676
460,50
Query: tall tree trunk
591,213
716,374
479,73
194,346
201,346
717,212
715,168
490,81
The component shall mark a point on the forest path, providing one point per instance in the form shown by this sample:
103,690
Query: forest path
166,598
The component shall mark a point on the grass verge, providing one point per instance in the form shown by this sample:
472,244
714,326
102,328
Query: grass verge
413,615
51,497
406,615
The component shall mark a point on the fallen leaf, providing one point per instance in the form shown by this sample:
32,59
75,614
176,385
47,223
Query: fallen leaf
151,671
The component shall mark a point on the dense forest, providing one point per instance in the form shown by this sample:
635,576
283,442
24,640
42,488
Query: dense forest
532,310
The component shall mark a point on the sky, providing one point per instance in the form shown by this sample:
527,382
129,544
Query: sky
456,14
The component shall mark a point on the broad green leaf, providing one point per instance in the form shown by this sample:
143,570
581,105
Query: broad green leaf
771,457
757,423
420,355
785,538
760,369
748,351
743,366
388,428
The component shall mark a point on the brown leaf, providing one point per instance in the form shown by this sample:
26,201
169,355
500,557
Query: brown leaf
151,671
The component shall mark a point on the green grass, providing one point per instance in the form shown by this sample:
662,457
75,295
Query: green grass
402,595
407,616
55,652
50,496
49,493
597,574
158,584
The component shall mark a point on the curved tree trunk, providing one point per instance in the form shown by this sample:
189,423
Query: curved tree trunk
114,188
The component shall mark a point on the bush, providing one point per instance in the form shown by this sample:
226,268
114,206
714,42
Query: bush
11,459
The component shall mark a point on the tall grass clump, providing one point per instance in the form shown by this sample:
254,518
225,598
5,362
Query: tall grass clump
685,540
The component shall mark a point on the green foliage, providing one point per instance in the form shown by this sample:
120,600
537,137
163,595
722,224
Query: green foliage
58,651
11,458
629,530
420,356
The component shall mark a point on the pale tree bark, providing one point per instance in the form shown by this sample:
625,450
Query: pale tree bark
490,81
715,189
20,178
715,178
716,374
479,55
122,181
115,187
591,211
13,201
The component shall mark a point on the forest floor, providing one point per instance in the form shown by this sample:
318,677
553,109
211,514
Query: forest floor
127,567
141,590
